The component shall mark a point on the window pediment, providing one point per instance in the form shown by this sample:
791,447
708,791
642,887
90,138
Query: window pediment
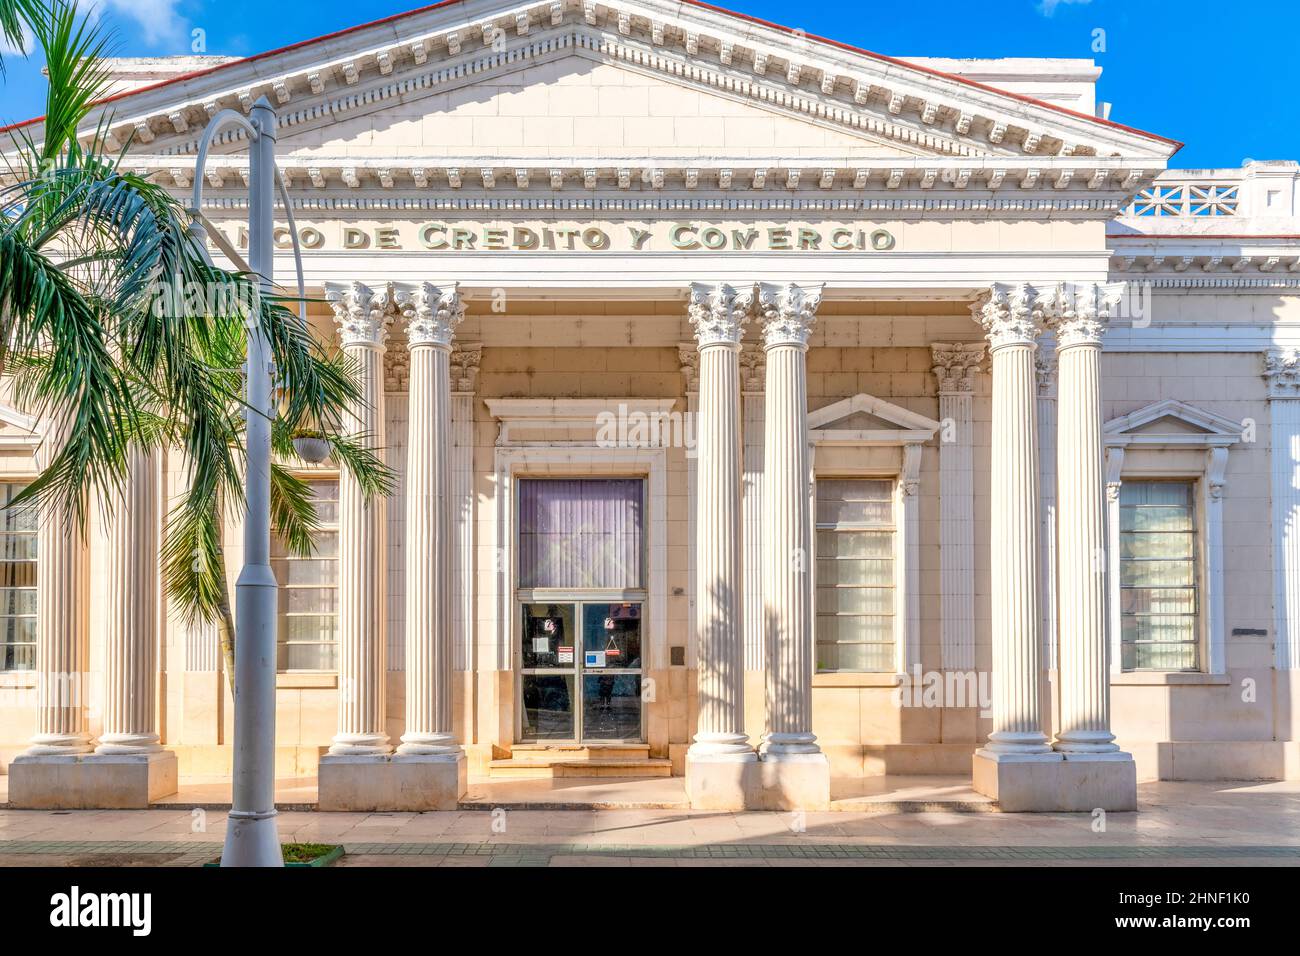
18,429
866,420
1171,423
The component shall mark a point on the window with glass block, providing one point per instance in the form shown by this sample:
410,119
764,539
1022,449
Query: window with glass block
18,529
309,598
855,574
1159,574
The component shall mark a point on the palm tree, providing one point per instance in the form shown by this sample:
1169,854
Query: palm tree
118,330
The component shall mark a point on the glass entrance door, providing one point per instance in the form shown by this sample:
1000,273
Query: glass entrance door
580,671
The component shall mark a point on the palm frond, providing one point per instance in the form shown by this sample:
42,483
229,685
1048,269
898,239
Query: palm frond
120,330
293,512
74,48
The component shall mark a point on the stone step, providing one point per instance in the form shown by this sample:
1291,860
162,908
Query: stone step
591,767
541,754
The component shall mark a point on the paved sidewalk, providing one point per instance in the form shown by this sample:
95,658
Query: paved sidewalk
1179,824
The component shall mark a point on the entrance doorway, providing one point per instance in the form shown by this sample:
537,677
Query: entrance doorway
580,678
581,599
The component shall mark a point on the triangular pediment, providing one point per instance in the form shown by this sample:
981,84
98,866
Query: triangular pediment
1171,422
779,91
580,108
865,419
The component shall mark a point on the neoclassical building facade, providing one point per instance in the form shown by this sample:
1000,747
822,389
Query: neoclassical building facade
765,411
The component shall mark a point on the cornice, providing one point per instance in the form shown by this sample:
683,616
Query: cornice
1242,283
819,81
1194,262
592,183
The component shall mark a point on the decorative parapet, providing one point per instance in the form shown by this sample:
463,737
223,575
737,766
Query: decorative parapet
1213,229
1176,194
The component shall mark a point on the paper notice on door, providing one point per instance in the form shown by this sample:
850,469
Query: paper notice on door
541,645
566,655
594,659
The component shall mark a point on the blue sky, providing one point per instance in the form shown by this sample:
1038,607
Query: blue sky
1221,79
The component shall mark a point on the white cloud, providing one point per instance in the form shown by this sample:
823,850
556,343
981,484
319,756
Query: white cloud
9,49
1048,7
159,21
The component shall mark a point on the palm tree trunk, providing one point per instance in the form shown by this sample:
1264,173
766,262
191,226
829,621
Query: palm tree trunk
227,623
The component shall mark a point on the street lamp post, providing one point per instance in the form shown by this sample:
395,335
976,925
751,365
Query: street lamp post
252,838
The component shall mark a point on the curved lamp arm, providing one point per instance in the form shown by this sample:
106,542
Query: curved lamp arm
223,119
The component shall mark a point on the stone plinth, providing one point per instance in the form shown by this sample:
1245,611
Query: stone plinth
91,781
1053,783
391,782
720,781
791,782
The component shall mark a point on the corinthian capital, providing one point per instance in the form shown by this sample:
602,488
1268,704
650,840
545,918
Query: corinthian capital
1282,371
432,314
788,312
465,358
1009,314
1079,312
361,313
956,364
719,313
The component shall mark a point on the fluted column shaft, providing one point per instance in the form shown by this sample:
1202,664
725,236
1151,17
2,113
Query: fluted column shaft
362,316
955,367
788,314
432,315
718,314
1081,536
62,629
1011,324
1045,362
1282,375
130,655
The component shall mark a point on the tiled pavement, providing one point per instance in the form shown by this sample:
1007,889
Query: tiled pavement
1179,824
188,853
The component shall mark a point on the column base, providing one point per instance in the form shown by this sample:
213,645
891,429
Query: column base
792,781
360,745
1055,782
91,781
375,782
720,781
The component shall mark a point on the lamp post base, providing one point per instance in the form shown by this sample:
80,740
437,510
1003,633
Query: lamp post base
252,839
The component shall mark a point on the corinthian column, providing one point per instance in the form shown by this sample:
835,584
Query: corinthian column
432,315
1012,321
130,664
788,314
718,314
362,316
1079,316
62,627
